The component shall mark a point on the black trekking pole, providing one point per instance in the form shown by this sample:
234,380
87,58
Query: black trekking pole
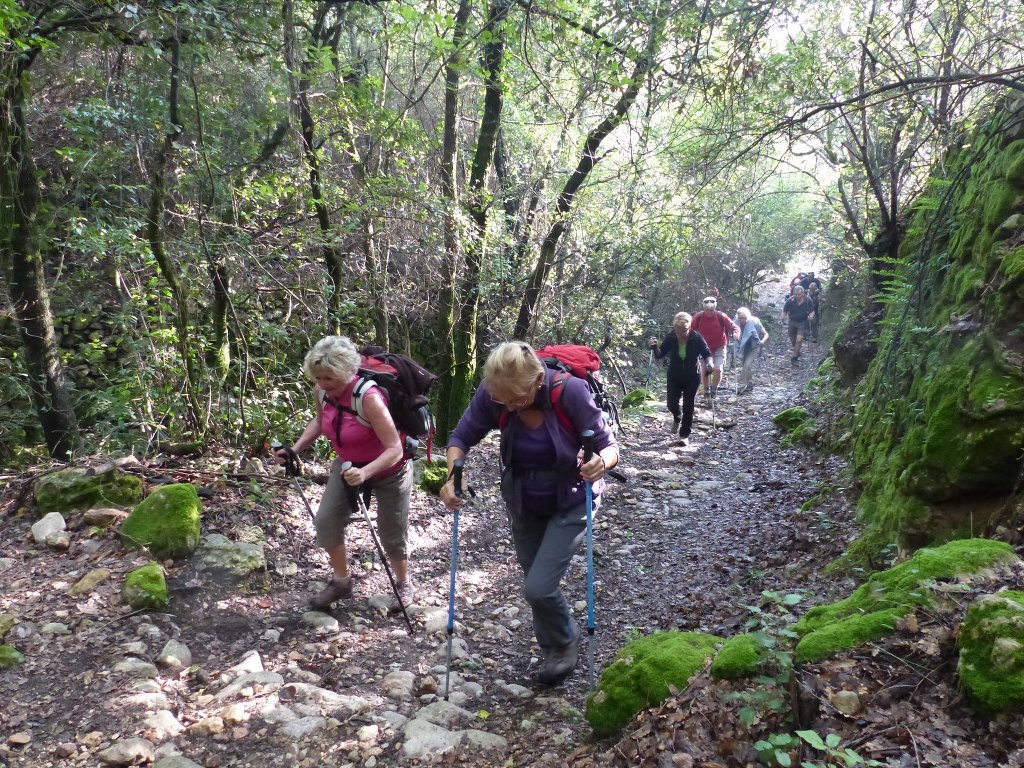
450,629
588,451
355,499
292,469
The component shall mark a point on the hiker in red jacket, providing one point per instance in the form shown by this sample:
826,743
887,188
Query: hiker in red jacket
717,329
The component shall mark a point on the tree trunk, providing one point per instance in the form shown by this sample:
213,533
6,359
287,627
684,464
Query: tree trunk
587,161
162,168
451,400
19,241
307,134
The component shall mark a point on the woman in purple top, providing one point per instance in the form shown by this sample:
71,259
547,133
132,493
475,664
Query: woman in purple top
543,482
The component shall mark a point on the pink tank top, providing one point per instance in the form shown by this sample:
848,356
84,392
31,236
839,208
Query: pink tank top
356,441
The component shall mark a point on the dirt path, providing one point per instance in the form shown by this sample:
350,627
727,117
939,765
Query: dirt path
696,533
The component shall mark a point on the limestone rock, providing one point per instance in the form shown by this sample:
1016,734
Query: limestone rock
235,558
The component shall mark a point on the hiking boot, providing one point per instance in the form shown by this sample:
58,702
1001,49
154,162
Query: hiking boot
336,589
407,592
559,664
675,425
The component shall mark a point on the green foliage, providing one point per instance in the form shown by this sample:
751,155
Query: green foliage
796,424
833,754
435,475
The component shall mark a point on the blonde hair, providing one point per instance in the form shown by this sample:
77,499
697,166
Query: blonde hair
677,321
334,355
743,312
512,370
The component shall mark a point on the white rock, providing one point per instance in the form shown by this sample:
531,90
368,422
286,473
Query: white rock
324,700
127,752
175,761
147,700
263,681
162,725
208,726
425,741
136,668
296,730
234,714
459,649
445,714
54,628
175,654
399,685
51,524
321,622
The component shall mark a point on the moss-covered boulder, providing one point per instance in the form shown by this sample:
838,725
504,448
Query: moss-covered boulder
740,656
145,588
9,656
872,611
938,419
641,673
167,522
79,487
992,651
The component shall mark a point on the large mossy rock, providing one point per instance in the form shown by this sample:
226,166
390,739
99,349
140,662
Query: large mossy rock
75,488
641,674
740,656
873,609
992,651
167,522
938,420
145,588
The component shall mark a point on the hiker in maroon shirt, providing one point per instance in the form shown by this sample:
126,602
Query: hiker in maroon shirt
717,329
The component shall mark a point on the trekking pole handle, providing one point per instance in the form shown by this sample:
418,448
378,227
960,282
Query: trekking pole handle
457,466
291,461
587,436
351,491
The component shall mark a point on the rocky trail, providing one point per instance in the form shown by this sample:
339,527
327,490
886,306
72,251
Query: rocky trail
702,537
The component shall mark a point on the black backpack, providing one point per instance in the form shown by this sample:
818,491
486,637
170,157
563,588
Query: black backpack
405,384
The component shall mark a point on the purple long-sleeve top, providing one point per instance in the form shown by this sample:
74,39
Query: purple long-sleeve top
483,415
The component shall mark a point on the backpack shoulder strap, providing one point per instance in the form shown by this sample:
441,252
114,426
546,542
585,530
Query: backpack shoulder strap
556,391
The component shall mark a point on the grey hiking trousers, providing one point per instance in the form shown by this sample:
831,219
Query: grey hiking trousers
544,548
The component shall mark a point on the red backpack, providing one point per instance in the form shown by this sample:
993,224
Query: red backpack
583,363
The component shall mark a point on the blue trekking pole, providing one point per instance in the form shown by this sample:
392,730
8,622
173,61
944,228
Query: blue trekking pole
457,481
588,451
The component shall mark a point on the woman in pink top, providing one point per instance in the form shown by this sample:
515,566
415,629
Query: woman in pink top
371,442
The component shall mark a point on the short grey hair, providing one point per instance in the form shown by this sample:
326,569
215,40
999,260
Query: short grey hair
334,355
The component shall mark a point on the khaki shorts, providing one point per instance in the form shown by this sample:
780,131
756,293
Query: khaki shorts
392,492
717,359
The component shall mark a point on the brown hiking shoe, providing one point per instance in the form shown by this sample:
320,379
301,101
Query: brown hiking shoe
407,592
336,589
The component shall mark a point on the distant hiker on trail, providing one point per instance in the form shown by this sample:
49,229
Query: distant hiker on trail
375,450
717,329
752,336
542,482
684,348
798,280
808,280
796,312
814,321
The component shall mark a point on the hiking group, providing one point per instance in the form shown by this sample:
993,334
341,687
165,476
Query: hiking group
697,348
556,446
800,312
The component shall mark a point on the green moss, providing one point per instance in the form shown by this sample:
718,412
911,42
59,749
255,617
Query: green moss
9,656
641,674
435,475
796,424
145,588
167,522
874,608
75,488
992,651
740,656
1015,163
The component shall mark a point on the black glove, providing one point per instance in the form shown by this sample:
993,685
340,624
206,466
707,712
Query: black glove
292,463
